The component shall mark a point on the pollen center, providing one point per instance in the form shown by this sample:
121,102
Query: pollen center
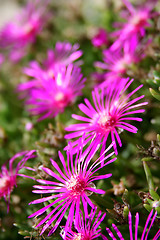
140,19
76,185
61,99
120,66
107,122
5,185
80,236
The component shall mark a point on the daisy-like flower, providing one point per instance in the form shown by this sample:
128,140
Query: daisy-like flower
87,228
118,61
71,187
109,115
145,233
138,18
8,177
63,54
17,35
100,39
53,95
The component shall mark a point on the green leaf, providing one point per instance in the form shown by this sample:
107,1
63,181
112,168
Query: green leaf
147,159
125,211
148,176
152,83
158,210
150,201
147,207
155,94
156,74
154,195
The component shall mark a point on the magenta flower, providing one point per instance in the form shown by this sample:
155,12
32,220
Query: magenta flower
63,54
53,95
71,187
87,228
109,115
145,233
137,19
8,178
118,61
100,39
17,35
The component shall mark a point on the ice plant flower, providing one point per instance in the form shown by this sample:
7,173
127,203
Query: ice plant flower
71,186
137,19
145,233
88,228
53,95
18,34
100,39
118,61
8,177
63,54
109,115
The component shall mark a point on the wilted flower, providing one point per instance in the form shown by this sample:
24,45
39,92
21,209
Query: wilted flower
18,34
100,39
145,232
53,95
137,19
110,115
87,228
72,186
8,178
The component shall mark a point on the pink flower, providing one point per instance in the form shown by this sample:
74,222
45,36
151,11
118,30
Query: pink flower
109,115
17,35
100,39
8,178
145,232
118,61
137,19
87,228
54,94
63,54
71,186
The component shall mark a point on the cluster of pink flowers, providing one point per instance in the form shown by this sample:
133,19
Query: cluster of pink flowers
17,35
53,86
130,42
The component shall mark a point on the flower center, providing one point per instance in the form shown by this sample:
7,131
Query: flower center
62,99
107,122
76,185
120,66
80,236
6,185
140,19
